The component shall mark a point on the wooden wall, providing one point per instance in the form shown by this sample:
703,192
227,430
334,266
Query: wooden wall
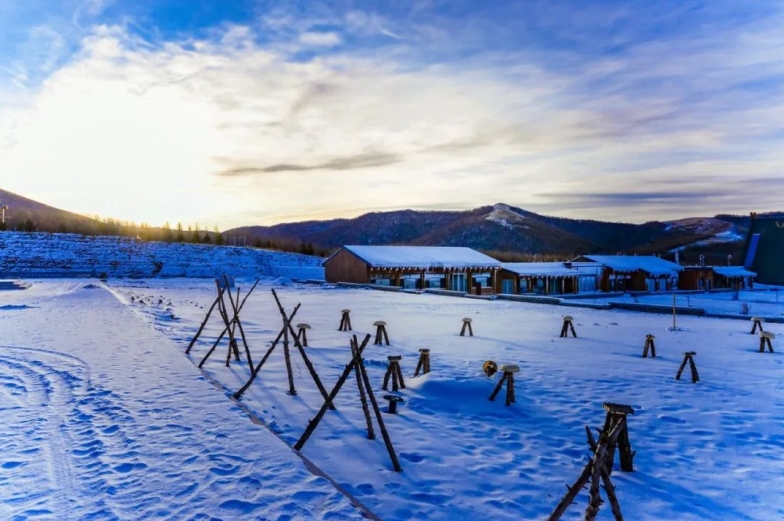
344,266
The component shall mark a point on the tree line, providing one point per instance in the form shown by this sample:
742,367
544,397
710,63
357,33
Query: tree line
193,234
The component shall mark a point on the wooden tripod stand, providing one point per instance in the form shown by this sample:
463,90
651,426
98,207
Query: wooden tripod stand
357,365
286,332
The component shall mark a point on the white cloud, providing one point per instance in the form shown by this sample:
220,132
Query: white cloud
320,39
226,130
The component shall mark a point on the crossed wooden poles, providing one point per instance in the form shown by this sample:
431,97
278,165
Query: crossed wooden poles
230,325
357,366
286,332
597,471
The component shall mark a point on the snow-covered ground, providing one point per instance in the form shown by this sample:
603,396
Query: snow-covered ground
104,419
751,303
711,450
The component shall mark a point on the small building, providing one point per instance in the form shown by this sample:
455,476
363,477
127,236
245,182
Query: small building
546,278
414,267
634,272
715,277
735,277
696,278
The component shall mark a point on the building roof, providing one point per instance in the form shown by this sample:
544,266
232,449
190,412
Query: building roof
544,269
629,263
733,271
422,257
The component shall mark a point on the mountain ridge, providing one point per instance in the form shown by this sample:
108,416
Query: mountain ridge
505,228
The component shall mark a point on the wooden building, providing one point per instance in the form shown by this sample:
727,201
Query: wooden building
735,277
715,277
696,278
415,267
546,278
634,272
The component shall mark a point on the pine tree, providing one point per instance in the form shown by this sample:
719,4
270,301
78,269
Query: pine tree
207,239
195,237
168,236
218,237
179,237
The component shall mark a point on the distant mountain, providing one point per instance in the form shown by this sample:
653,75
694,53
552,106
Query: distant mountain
504,228
45,218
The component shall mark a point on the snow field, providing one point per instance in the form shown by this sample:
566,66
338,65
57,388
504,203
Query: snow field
103,419
712,450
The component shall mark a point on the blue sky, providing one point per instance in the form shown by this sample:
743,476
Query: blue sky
258,111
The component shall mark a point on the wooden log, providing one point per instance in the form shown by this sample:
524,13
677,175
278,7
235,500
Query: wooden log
256,370
362,397
609,489
287,358
498,386
220,337
204,323
695,376
237,308
379,418
312,424
309,365
591,439
595,502
571,493
682,367
625,448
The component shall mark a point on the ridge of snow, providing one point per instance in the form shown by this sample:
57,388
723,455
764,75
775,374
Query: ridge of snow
45,254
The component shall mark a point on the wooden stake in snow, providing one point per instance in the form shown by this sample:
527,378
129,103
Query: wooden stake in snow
688,356
345,320
424,362
467,324
765,338
596,471
567,326
756,323
649,344
357,365
285,331
381,333
509,371
394,371
617,413
674,327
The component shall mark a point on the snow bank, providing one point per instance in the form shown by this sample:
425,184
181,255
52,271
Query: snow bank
45,254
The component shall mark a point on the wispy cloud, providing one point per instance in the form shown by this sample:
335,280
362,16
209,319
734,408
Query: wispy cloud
290,109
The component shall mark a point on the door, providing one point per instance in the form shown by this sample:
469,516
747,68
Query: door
459,282
507,286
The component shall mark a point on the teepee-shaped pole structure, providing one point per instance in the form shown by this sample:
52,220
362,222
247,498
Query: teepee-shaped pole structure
287,333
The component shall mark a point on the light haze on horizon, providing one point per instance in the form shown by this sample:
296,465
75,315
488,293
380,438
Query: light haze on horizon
266,111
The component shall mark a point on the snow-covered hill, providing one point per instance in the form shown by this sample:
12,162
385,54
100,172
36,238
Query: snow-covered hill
40,254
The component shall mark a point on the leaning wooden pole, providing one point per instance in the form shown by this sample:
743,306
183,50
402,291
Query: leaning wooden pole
609,489
572,493
237,307
220,337
379,418
370,432
301,349
257,369
201,328
312,424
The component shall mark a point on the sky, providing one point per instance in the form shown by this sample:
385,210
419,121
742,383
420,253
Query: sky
265,111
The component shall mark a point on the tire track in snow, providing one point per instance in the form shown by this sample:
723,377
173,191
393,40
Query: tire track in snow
44,385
